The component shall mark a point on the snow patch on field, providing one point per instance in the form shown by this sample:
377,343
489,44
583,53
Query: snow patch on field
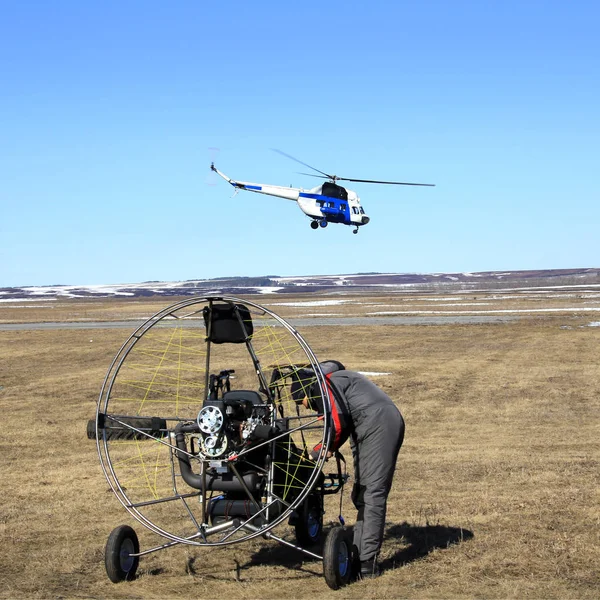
267,290
372,373
310,303
462,304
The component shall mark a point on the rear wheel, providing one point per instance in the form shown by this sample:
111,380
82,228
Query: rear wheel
337,558
309,525
121,544
314,224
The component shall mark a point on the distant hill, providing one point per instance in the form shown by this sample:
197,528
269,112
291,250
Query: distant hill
334,284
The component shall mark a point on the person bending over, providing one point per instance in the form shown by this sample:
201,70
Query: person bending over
366,415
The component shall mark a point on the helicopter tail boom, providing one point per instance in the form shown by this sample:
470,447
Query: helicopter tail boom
270,190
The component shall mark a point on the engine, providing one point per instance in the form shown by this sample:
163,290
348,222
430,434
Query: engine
227,425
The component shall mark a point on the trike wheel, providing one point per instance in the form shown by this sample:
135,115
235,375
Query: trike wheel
337,558
121,544
309,525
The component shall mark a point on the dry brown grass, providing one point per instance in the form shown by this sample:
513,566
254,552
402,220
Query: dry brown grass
495,496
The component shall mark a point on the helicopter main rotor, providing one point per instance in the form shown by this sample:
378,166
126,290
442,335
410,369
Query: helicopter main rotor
335,178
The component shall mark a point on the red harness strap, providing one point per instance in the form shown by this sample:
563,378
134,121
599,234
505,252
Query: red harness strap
334,414
337,426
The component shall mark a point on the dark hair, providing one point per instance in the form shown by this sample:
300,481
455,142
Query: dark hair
305,384
331,366
302,381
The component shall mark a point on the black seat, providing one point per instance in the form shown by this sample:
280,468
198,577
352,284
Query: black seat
228,323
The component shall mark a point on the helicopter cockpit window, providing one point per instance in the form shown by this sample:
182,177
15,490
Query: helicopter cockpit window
362,210
355,210
334,191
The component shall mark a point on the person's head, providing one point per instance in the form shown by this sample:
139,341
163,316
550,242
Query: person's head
331,366
305,388
302,381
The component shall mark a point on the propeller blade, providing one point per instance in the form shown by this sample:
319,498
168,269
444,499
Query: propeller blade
313,175
302,163
336,178
385,182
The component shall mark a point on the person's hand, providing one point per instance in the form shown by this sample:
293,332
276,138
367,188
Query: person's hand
315,455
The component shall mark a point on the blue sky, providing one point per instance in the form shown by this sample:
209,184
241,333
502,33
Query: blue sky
108,110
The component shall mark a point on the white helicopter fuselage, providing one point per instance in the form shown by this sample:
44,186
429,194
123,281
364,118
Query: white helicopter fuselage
325,203
315,204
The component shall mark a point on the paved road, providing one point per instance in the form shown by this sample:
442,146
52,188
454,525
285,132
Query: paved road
297,323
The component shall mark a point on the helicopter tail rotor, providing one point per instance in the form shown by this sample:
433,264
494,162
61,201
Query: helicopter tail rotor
211,178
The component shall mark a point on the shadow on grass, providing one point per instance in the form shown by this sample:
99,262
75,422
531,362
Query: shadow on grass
421,540
300,565
281,555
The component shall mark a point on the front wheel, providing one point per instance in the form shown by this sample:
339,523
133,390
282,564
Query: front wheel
118,559
337,558
314,225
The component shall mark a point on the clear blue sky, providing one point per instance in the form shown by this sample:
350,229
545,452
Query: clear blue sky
108,110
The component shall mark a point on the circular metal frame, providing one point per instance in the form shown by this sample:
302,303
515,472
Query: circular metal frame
143,370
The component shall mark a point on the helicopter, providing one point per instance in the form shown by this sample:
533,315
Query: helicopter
324,204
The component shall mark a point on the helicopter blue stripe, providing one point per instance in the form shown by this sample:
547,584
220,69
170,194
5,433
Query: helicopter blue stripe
243,186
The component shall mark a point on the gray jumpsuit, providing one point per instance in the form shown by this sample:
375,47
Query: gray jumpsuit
368,416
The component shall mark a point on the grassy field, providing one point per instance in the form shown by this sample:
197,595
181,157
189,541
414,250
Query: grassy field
496,489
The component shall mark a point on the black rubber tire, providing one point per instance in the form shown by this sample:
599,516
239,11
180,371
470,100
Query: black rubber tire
309,525
337,558
119,565
114,431
91,429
